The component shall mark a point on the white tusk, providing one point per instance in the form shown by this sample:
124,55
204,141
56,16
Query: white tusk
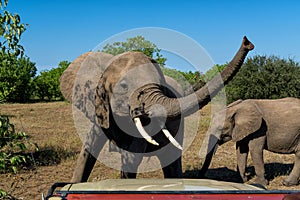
142,131
171,138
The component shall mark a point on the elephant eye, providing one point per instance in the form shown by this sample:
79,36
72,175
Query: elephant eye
124,85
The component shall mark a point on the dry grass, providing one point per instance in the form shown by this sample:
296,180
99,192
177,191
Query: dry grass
50,125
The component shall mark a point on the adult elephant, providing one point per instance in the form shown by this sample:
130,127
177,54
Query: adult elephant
255,125
78,84
136,110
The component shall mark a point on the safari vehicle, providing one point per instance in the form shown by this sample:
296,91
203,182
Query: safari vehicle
142,189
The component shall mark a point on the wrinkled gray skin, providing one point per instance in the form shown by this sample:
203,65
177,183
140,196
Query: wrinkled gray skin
255,125
133,86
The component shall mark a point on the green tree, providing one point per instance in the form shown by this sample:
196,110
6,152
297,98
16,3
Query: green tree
15,71
138,43
263,77
211,73
47,83
197,79
11,30
15,78
179,76
12,144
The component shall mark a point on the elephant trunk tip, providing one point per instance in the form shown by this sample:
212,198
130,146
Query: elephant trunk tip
247,44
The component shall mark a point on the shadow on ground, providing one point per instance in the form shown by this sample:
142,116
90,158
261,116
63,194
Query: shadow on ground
49,155
272,171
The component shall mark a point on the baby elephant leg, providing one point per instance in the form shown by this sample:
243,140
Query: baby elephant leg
293,178
256,147
242,151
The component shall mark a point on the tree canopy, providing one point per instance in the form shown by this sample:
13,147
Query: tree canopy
16,71
15,78
11,30
138,43
265,77
47,83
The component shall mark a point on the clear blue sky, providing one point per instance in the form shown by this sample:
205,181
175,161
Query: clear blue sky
64,29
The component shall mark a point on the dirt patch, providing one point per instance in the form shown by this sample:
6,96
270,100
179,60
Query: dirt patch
51,126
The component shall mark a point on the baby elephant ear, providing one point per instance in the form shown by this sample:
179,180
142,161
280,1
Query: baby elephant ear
102,104
247,120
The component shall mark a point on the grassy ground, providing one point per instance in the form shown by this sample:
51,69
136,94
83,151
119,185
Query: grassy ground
51,126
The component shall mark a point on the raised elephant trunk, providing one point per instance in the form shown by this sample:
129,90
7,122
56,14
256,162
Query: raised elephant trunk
176,107
172,108
207,92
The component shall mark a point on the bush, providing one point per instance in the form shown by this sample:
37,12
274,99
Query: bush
47,83
263,77
3,194
12,146
15,78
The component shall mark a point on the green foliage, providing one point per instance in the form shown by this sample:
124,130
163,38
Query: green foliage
15,78
11,30
137,43
188,80
3,194
195,79
263,77
15,71
211,73
12,146
176,75
47,83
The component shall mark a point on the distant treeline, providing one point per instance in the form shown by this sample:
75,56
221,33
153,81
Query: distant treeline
261,77
20,83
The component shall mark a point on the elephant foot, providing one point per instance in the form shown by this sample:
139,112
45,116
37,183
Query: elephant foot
290,182
127,175
244,178
261,181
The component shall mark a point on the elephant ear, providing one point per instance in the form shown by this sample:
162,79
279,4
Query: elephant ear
84,69
247,120
67,79
102,104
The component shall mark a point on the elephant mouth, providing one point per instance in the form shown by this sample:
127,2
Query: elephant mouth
149,139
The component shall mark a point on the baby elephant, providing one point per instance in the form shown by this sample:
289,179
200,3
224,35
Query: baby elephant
256,125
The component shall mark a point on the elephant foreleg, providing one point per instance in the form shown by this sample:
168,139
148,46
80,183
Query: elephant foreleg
132,158
170,160
293,178
242,151
171,154
84,166
130,163
87,158
174,170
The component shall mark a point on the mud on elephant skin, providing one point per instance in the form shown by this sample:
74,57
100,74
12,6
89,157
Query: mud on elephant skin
128,101
255,125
